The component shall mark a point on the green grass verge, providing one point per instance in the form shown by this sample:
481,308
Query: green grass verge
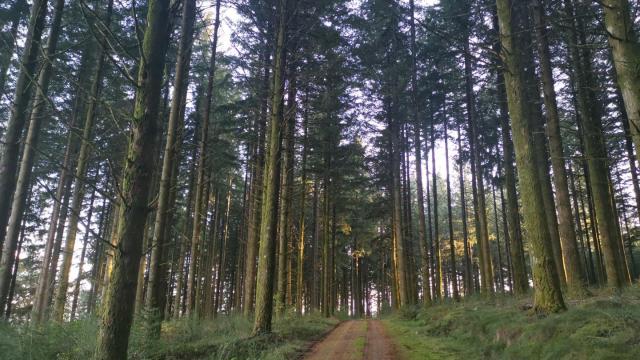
360,342
227,337
600,327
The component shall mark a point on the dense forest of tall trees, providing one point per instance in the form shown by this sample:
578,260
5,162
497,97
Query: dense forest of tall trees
168,159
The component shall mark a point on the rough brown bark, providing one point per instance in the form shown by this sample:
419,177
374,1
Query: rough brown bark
572,266
518,263
547,295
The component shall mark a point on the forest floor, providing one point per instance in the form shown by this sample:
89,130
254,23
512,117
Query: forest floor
355,340
602,326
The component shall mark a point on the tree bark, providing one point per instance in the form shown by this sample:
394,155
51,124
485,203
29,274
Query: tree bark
452,247
118,303
8,40
21,185
625,49
256,189
286,195
547,293
520,279
596,156
80,176
271,188
85,241
201,179
17,120
155,299
572,267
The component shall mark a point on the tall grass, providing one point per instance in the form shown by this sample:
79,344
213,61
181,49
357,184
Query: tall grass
604,326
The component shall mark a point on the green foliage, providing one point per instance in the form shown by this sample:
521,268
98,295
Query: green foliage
227,337
409,312
602,327
75,340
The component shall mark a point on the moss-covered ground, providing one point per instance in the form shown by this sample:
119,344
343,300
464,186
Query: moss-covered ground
603,326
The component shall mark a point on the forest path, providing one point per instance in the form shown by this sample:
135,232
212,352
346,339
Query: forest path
354,340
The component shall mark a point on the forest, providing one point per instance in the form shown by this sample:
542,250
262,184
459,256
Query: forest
319,179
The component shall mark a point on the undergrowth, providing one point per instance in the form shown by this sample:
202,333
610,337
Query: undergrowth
227,337
600,327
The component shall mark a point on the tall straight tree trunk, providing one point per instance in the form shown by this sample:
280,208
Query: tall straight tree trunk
85,241
303,197
199,216
468,272
256,189
80,175
595,153
547,293
315,293
398,239
482,230
18,118
518,263
155,299
188,227
14,276
118,303
326,226
572,267
21,187
452,245
422,224
625,49
286,195
628,145
507,240
62,195
500,280
8,40
435,241
96,259
271,188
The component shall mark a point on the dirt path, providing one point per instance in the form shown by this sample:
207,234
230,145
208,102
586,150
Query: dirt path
354,340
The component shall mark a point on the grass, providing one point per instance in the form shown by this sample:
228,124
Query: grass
227,337
601,327
360,342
